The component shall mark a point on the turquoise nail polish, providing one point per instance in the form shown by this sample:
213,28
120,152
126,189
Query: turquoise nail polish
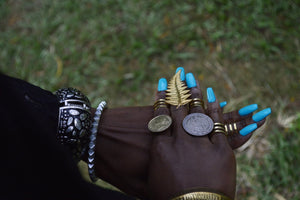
248,129
210,95
182,74
261,114
162,84
223,104
190,80
248,109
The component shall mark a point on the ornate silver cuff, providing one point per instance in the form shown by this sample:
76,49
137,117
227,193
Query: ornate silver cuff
74,122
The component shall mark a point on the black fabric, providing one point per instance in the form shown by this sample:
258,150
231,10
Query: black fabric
33,164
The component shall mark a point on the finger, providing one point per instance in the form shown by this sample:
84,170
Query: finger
258,117
235,121
178,108
182,73
178,114
241,131
161,120
213,107
261,115
197,104
242,113
214,111
222,105
161,94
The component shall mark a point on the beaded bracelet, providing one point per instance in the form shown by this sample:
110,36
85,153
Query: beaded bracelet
92,143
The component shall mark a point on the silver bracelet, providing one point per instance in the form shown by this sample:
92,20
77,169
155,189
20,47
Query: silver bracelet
92,144
74,122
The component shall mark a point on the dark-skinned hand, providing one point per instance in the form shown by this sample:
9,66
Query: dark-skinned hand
124,142
180,162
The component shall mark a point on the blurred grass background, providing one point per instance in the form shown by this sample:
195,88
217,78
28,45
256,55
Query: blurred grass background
248,51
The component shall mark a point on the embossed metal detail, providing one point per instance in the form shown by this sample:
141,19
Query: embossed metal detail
160,123
198,124
74,120
177,92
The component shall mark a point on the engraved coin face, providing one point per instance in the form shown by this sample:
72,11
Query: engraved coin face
198,124
160,123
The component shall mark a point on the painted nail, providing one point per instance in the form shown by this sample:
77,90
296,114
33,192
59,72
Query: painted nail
248,109
190,80
182,74
162,84
210,95
261,114
248,129
223,104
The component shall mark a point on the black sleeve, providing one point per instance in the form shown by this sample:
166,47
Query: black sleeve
34,165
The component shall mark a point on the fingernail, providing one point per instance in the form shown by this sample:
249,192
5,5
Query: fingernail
162,84
248,129
223,104
261,114
248,109
182,75
210,95
190,80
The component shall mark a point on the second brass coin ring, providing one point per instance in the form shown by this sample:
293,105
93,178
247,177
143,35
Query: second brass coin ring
198,124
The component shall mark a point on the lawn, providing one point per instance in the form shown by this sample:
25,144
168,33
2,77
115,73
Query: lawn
248,51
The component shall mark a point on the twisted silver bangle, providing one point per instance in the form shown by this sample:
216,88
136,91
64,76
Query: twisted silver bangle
92,143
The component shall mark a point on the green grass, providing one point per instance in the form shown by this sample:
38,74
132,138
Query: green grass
282,173
248,51
275,173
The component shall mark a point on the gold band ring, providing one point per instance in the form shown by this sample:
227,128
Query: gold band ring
218,123
219,128
197,102
231,128
160,103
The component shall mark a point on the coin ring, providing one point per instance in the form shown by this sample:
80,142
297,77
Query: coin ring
160,123
198,124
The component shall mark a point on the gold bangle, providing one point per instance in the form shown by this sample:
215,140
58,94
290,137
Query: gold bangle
201,196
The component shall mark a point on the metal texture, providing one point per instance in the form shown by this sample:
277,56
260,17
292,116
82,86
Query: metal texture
74,120
160,103
201,195
92,143
196,102
220,128
198,124
160,123
177,93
